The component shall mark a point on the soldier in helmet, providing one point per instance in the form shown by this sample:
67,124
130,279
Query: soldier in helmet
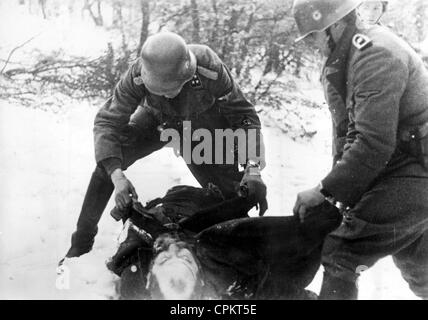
171,83
377,89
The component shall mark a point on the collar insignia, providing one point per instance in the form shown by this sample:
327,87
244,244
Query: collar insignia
138,81
196,82
361,41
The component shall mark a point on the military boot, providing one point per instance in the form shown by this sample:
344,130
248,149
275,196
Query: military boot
334,288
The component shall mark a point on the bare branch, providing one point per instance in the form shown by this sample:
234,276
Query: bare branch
14,50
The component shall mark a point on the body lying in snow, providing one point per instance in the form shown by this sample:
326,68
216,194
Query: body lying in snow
192,244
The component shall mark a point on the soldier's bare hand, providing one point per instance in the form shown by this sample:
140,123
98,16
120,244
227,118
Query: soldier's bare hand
124,190
306,200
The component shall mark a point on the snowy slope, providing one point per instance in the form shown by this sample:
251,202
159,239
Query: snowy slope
47,159
46,162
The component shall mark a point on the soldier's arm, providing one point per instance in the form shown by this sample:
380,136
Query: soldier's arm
240,113
379,81
113,118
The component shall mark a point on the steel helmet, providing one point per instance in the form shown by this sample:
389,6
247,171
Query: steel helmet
384,3
317,15
167,62
369,14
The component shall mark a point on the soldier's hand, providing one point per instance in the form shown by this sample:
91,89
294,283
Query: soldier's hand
124,190
256,189
306,200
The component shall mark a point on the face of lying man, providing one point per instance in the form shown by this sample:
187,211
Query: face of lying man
174,269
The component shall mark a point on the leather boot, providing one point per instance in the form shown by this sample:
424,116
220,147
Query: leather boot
334,288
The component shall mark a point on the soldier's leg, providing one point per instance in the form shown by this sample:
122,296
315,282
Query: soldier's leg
413,263
96,198
389,218
226,177
142,139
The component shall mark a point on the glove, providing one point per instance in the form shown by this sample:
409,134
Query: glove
255,189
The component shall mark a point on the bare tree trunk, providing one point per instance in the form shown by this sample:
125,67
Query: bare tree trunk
42,4
214,35
231,28
195,20
30,6
272,59
117,14
98,19
273,55
100,14
244,46
145,12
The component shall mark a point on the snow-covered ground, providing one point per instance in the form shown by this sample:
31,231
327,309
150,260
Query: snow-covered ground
47,158
46,161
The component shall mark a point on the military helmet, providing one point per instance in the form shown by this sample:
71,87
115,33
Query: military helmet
317,15
369,14
384,3
167,62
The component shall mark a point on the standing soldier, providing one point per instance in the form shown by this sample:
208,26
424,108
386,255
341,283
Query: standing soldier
381,176
369,13
173,82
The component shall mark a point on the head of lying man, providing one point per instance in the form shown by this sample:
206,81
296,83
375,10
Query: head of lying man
174,273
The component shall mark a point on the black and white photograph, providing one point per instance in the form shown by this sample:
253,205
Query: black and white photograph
213,150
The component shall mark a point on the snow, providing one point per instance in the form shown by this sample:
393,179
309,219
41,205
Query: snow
424,47
58,35
47,159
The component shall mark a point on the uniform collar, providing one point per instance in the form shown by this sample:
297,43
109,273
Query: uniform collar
339,57
335,68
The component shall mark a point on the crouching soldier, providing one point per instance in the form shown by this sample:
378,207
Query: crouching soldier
178,87
381,175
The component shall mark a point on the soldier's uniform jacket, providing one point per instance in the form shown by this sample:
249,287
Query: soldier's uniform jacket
334,84
383,85
211,87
